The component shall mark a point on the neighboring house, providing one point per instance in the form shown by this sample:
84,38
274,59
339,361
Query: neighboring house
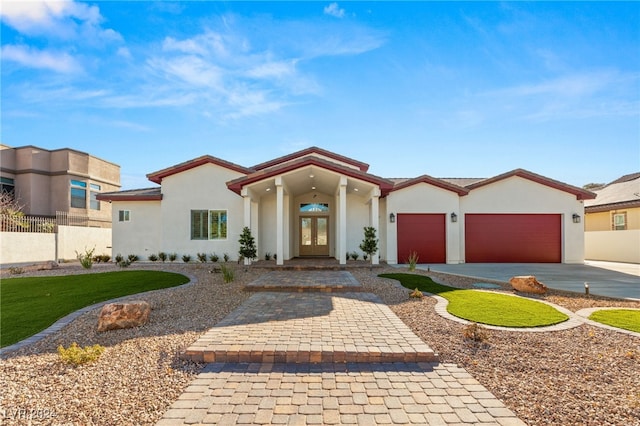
612,221
64,180
316,203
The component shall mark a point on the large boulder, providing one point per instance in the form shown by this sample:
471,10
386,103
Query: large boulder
528,284
123,315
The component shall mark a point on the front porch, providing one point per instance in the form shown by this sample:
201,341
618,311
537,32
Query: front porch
311,207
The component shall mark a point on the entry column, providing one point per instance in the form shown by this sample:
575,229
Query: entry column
279,221
375,221
342,221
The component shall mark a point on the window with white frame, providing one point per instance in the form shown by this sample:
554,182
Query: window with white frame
619,221
93,196
208,224
78,194
124,215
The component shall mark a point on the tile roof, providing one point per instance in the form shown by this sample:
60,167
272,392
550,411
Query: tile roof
144,194
624,190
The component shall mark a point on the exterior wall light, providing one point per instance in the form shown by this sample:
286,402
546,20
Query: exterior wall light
576,218
392,218
454,217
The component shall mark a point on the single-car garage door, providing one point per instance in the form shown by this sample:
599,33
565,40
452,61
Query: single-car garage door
513,238
423,233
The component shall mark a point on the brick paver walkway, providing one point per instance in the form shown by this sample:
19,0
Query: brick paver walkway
323,358
311,327
306,281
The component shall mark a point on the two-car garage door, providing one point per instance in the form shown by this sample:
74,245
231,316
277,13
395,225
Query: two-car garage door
511,238
489,238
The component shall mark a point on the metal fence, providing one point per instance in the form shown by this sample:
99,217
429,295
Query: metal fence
14,223
69,219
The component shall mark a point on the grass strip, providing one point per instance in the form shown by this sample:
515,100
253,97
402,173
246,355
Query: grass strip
28,305
484,307
626,319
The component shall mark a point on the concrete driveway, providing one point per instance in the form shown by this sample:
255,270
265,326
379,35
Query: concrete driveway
620,280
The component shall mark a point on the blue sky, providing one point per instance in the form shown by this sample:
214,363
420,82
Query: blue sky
449,89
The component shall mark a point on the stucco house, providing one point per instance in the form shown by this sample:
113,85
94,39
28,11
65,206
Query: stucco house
612,221
316,203
47,182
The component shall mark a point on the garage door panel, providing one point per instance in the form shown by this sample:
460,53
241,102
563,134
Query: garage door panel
509,238
424,234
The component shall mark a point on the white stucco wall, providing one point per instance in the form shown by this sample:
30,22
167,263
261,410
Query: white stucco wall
518,195
423,198
613,246
267,221
78,239
358,216
200,188
27,247
22,247
142,235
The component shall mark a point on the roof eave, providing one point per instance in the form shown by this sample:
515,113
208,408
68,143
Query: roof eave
612,206
581,194
123,197
156,177
236,185
363,167
432,181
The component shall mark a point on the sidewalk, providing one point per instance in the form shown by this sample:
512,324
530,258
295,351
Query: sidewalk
322,357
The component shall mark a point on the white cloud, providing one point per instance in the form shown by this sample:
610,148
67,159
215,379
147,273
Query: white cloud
124,52
61,19
33,58
208,43
334,10
278,70
194,71
576,95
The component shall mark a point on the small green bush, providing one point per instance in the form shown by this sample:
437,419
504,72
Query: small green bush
162,256
416,294
75,355
16,270
226,257
186,258
153,257
118,258
124,263
267,256
173,257
354,255
228,274
105,258
214,257
86,258
133,258
202,257
475,332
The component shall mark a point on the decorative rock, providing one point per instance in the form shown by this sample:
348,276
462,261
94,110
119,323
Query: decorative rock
123,315
528,284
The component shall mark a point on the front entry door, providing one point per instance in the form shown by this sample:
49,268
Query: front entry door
314,236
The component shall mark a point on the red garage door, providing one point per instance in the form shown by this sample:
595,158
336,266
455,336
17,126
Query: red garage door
424,234
511,238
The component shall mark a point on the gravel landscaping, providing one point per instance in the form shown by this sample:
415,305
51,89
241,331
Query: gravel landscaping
586,375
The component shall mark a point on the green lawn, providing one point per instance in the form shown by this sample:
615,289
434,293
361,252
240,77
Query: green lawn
627,319
483,307
28,305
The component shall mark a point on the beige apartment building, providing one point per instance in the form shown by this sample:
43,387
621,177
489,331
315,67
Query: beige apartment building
64,180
